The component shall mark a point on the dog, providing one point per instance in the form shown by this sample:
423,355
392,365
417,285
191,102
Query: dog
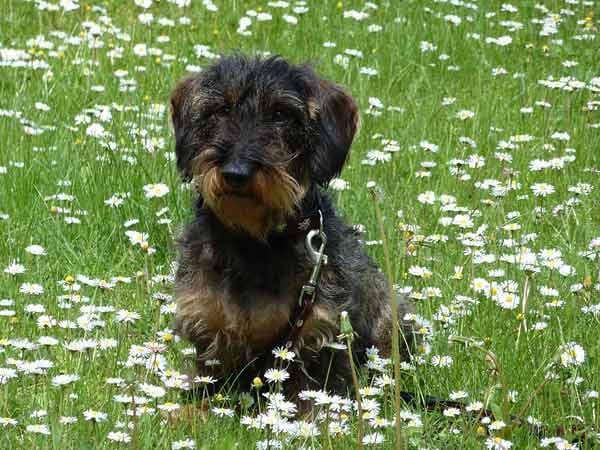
260,139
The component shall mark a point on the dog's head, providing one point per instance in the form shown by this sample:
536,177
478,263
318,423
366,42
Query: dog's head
254,134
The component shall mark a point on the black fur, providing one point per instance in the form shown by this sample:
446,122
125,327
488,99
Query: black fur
272,114
249,104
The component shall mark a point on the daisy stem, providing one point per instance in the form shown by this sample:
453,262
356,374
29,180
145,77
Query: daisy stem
497,373
395,328
328,372
359,424
488,395
523,324
258,401
527,404
134,441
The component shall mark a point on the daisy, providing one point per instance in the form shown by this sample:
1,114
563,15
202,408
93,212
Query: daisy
95,416
369,391
305,429
152,390
114,201
62,380
378,156
222,412
337,184
496,443
373,438
561,136
156,190
15,268
497,425
427,198
115,381
542,189
118,436
462,221
276,375
124,316
186,443
336,428
283,353
474,406
572,354
136,237
421,272
36,250
441,361
6,374
38,429
425,145
43,107
5,421
31,288
507,300
169,407
465,114
95,130
269,444
38,414
451,412
458,395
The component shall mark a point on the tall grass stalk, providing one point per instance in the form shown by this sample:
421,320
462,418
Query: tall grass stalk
399,444
359,424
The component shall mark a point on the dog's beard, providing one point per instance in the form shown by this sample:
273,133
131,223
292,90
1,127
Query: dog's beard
269,199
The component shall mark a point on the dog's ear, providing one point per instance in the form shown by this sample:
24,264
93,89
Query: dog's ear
337,121
180,100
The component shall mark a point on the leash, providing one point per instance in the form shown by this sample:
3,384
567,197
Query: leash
308,293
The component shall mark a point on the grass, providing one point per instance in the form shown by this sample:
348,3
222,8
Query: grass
44,154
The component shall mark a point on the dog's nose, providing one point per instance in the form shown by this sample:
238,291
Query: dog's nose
237,174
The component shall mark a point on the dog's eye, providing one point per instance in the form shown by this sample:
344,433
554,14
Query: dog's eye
223,110
217,111
278,115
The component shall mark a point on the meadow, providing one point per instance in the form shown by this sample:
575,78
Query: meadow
480,138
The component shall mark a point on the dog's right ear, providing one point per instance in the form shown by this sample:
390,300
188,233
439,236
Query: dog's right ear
180,117
337,122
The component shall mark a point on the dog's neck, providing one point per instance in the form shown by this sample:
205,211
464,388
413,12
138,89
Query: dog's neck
248,263
307,217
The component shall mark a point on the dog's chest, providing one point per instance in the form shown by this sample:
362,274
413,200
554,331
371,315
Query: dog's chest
241,305
251,319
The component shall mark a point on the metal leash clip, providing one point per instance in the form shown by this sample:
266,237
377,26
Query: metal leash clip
319,259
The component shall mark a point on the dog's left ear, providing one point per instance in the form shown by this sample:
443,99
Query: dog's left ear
180,119
337,117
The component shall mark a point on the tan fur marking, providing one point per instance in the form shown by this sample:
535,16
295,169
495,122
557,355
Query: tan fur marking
278,190
206,316
243,213
319,329
266,202
313,108
199,98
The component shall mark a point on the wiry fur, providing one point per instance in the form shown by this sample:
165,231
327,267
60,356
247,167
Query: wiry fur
256,209
239,276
